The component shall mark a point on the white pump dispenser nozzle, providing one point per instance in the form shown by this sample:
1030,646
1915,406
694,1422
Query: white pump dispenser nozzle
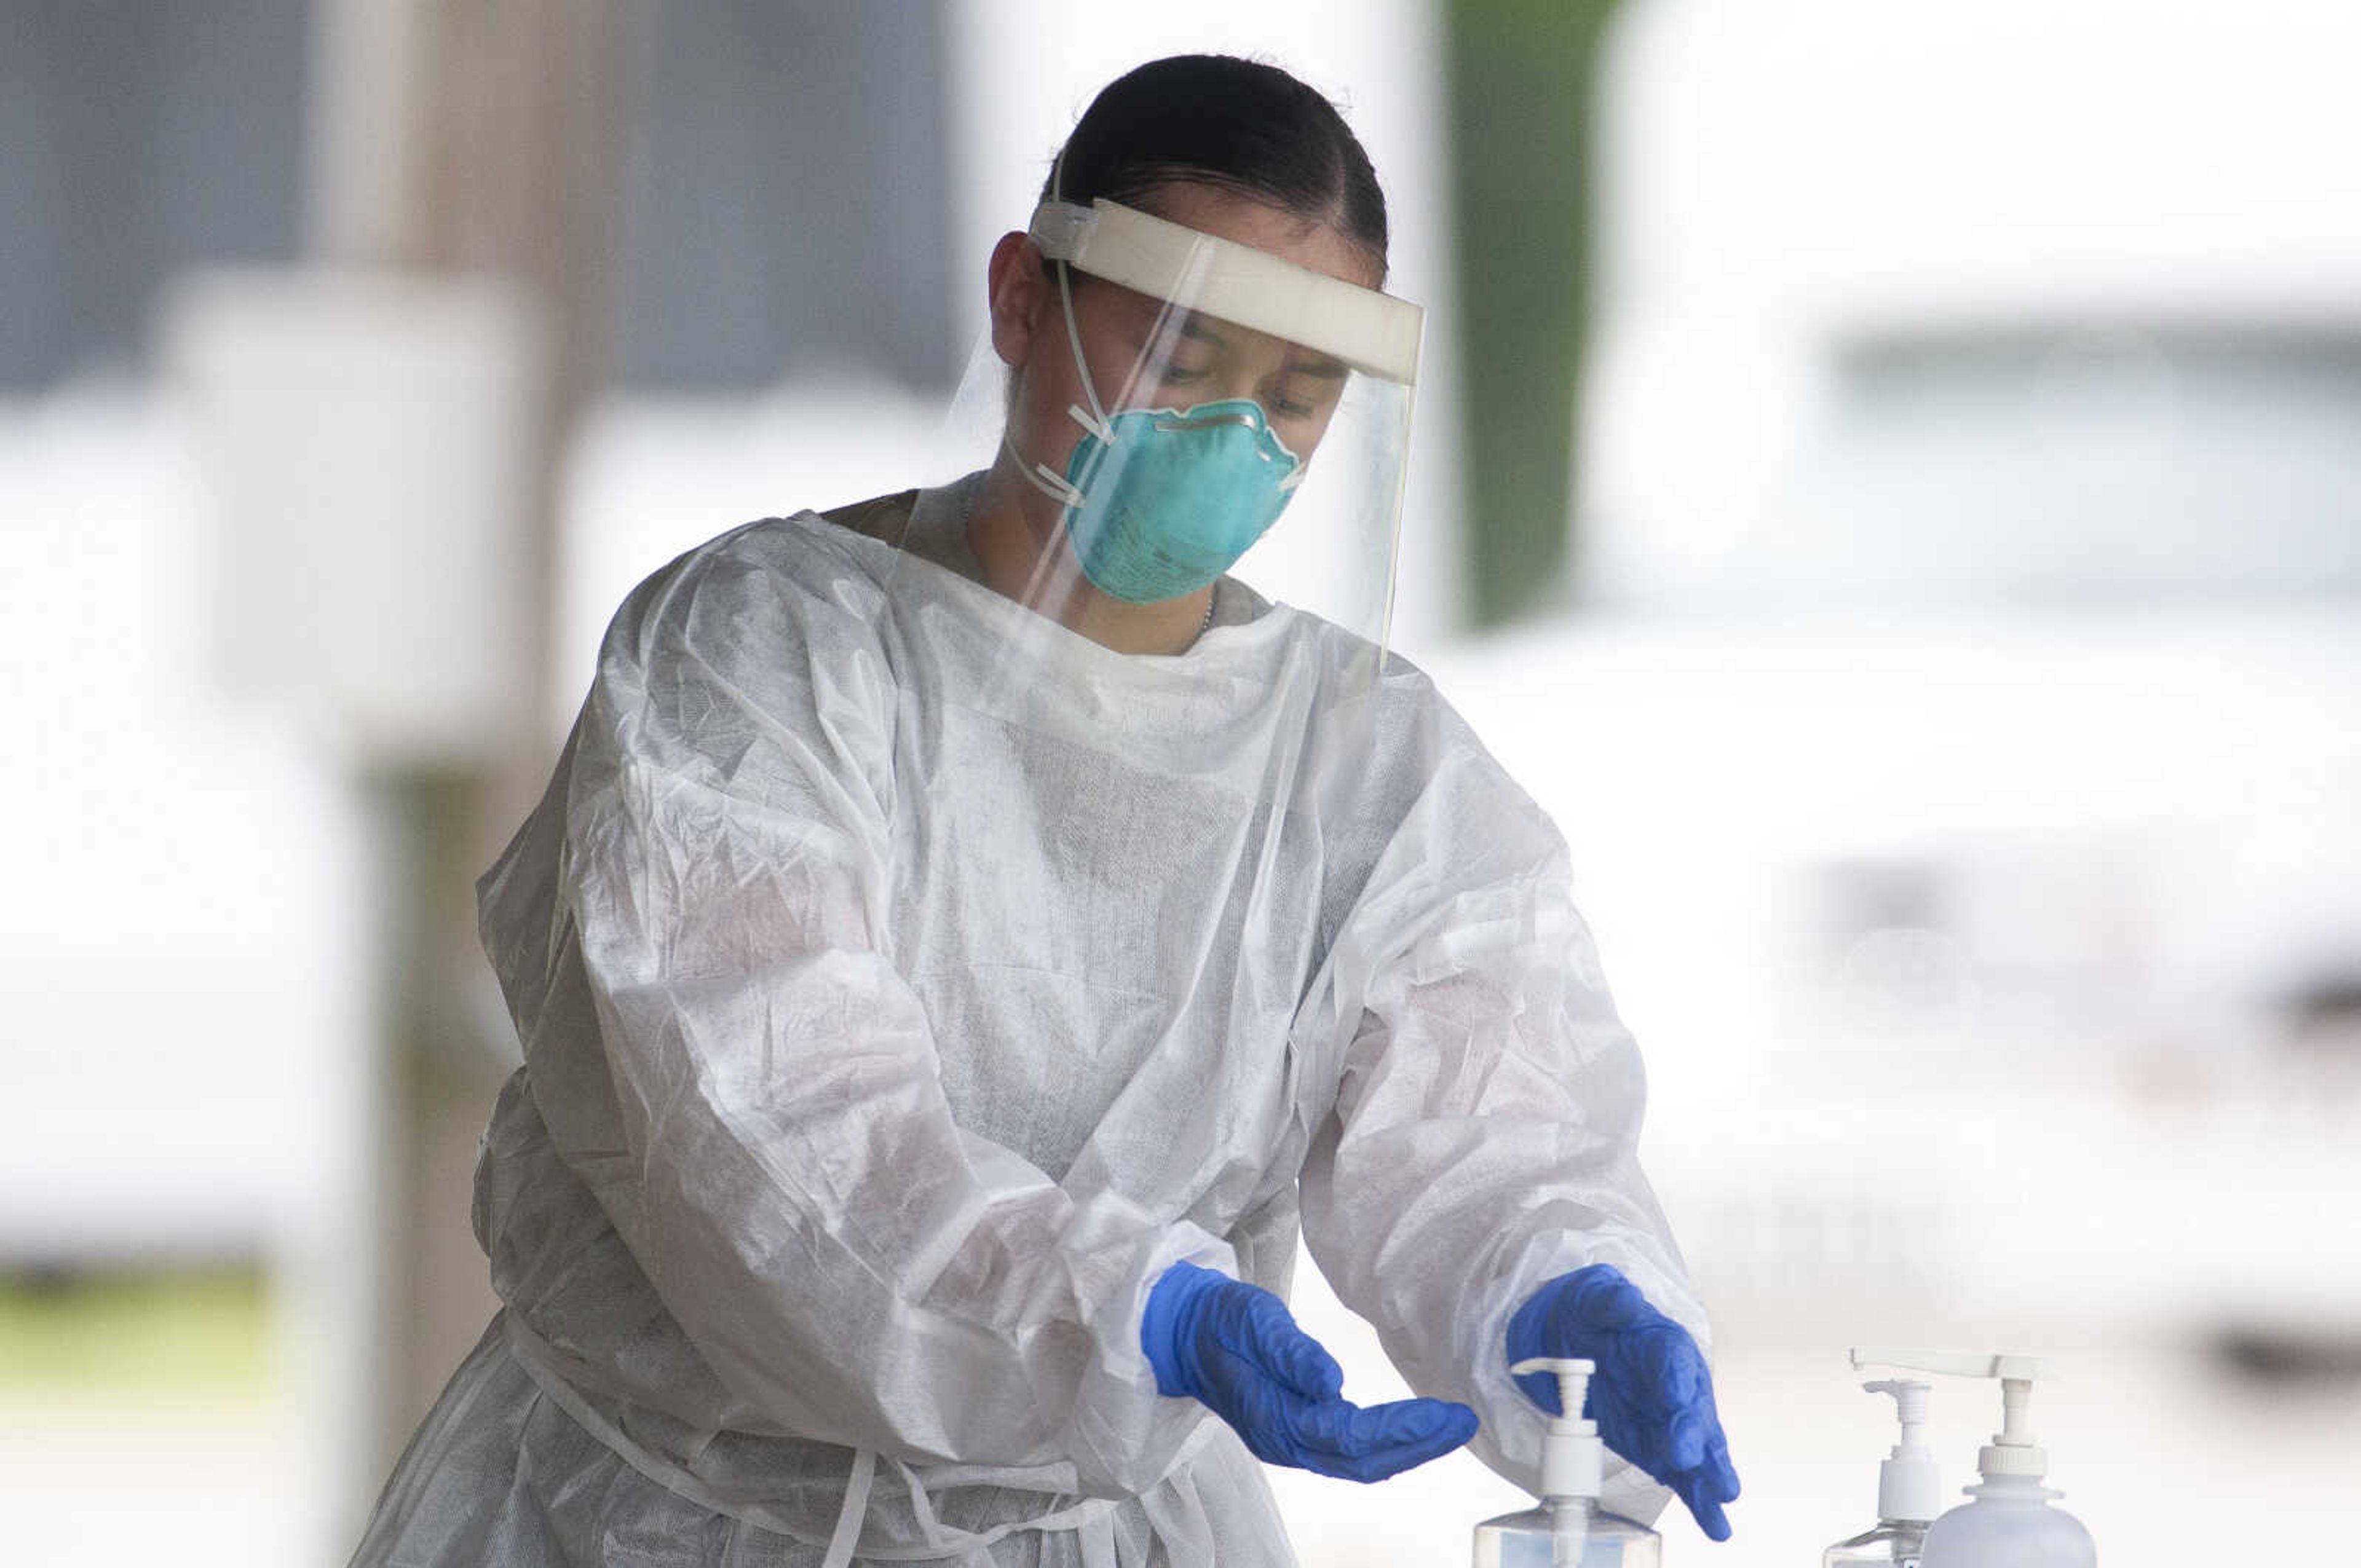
2012,1450
1572,1457
1909,1487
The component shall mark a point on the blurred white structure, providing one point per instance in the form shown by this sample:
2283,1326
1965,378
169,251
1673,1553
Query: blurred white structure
2107,250
367,441
653,477
1963,775
1957,750
239,600
183,1064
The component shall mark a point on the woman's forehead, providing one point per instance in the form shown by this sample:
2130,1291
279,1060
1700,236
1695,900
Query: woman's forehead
1164,325
1314,243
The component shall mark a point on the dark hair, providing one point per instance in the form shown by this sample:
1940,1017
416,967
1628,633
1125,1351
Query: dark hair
1218,120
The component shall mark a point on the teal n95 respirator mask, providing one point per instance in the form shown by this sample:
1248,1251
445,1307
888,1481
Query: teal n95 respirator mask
1161,502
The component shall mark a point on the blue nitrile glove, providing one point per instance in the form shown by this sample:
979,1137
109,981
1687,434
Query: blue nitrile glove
1235,1348
1650,1395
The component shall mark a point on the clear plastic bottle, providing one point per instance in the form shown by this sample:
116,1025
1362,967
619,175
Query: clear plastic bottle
1568,1533
1910,1492
1569,1530
1890,1545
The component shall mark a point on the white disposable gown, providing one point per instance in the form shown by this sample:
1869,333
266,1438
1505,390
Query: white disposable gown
890,1025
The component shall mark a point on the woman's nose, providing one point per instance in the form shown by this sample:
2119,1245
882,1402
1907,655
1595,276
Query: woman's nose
1243,381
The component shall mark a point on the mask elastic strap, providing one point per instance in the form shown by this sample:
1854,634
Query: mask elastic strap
1040,475
1046,480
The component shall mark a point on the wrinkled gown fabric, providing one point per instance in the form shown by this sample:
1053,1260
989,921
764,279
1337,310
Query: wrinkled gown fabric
890,1026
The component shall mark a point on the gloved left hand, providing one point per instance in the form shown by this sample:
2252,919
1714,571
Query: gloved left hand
1651,1395
1236,1349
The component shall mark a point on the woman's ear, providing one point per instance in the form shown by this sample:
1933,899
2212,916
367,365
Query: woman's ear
1018,283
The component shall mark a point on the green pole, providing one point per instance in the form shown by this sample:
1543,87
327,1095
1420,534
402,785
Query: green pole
1523,75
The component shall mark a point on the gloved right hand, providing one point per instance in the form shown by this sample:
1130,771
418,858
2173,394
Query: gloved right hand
1651,1392
1236,1348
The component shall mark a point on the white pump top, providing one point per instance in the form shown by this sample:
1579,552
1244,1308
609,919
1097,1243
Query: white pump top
2012,1450
1573,1458
1909,1487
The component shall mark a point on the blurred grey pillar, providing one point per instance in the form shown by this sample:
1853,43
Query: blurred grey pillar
467,137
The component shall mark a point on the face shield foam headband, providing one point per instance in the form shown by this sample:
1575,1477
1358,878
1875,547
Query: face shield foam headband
1158,502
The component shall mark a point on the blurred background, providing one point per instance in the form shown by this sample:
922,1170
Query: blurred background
1889,482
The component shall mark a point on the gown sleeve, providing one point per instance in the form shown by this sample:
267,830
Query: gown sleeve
765,1120
1488,1115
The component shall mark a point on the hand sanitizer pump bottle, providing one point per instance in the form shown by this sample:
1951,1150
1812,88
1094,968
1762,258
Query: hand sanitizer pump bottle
1910,1493
1569,1530
2010,1523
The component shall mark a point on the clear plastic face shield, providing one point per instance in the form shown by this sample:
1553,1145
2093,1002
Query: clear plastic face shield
1203,431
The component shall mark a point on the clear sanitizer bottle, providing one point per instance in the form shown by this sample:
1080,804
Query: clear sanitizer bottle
1910,1492
1569,1530
2010,1523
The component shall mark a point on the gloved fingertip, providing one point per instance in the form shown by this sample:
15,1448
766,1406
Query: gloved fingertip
1710,1516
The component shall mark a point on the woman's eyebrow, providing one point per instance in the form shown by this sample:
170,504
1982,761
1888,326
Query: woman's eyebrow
1168,325
1193,325
1193,328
